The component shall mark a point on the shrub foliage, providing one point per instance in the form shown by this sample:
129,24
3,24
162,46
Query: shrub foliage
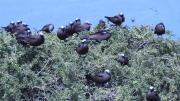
55,72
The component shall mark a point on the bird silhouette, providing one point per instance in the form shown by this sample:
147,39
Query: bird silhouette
152,95
159,29
48,28
22,28
86,26
123,59
98,36
117,19
99,78
83,47
62,33
10,28
101,25
29,39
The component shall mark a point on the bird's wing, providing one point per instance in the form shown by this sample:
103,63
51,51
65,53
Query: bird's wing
100,74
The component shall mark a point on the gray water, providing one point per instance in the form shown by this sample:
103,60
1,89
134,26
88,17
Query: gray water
36,13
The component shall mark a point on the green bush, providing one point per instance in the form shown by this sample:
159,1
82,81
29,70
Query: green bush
55,72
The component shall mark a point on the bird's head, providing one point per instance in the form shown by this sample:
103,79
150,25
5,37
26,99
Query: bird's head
62,27
77,19
151,88
85,41
107,71
101,21
24,24
122,54
70,22
121,13
51,27
87,22
12,22
19,21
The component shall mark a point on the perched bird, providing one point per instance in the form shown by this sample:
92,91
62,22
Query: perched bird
10,28
123,59
76,26
101,25
159,29
62,33
19,22
70,29
32,40
99,78
21,35
86,26
21,28
77,22
83,47
48,28
122,15
152,95
98,36
117,19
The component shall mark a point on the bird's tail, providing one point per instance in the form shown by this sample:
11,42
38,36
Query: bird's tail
4,27
107,17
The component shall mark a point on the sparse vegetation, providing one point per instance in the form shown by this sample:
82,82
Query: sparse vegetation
55,72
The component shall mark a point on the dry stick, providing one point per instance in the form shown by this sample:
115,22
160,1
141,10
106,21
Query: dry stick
44,66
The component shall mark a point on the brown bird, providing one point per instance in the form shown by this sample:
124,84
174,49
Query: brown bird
70,29
10,28
101,25
98,36
32,40
86,26
19,22
62,33
76,26
122,15
48,28
83,47
123,59
21,28
99,78
152,95
159,29
77,22
117,19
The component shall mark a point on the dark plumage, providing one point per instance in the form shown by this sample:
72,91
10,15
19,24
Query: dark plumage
77,22
122,16
159,29
99,78
117,19
62,33
22,28
10,28
98,36
70,29
19,22
29,39
86,26
76,26
152,95
83,47
48,28
101,25
123,59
